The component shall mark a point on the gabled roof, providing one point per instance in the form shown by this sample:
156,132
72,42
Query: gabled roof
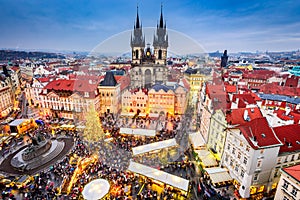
236,116
217,95
289,135
293,171
259,134
71,85
244,99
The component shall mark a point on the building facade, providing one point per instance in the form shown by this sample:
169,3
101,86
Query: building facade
149,66
289,184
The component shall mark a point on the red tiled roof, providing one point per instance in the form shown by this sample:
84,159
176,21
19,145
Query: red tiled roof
274,88
230,88
236,116
293,171
71,85
292,81
43,79
217,95
259,134
124,81
244,99
288,135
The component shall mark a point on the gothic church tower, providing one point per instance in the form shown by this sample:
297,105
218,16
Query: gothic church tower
160,41
137,41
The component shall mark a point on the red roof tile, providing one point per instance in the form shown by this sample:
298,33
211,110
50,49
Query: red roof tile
259,134
218,96
292,81
288,135
230,88
293,171
236,116
71,85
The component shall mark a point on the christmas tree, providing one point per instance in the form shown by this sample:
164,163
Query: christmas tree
93,131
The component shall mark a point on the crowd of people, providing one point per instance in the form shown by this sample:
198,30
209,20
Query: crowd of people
113,156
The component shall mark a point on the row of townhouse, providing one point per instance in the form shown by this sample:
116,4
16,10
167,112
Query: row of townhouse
71,98
242,139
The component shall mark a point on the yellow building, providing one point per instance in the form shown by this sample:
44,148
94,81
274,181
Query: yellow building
196,78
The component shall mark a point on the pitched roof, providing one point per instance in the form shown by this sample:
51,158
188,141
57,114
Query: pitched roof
109,79
259,134
293,171
289,136
274,88
217,95
230,88
236,116
71,85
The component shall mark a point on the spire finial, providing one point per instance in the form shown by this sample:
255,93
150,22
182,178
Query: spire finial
137,24
161,21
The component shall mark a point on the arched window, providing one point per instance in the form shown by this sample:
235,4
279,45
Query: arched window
160,54
136,54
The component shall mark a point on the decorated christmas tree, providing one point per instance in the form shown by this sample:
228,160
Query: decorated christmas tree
93,131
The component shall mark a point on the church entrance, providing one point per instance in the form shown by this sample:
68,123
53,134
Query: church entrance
148,81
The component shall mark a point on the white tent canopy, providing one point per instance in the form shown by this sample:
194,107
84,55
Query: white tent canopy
207,158
141,132
218,174
96,189
161,176
154,146
196,140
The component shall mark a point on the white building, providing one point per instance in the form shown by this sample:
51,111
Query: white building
289,184
250,155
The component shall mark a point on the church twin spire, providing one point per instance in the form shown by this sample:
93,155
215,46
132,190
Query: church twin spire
160,41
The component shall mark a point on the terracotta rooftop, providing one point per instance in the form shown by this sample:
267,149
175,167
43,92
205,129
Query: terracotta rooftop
259,134
71,85
289,136
236,116
293,171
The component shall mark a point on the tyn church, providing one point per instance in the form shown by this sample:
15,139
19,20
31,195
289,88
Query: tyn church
149,65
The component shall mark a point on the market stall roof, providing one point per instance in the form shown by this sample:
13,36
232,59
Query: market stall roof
17,122
80,127
161,176
196,140
142,132
130,114
96,189
218,174
154,146
67,126
154,115
208,160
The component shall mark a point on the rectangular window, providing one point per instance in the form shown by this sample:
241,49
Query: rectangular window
255,177
285,184
228,147
245,160
233,150
259,163
242,173
236,168
248,148
239,155
294,191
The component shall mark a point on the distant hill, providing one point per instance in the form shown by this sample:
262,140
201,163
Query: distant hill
9,55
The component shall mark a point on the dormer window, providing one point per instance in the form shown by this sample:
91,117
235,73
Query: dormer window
86,94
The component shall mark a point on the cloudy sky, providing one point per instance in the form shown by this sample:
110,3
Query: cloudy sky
81,25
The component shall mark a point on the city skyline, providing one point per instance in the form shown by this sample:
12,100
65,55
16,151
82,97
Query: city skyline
218,25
